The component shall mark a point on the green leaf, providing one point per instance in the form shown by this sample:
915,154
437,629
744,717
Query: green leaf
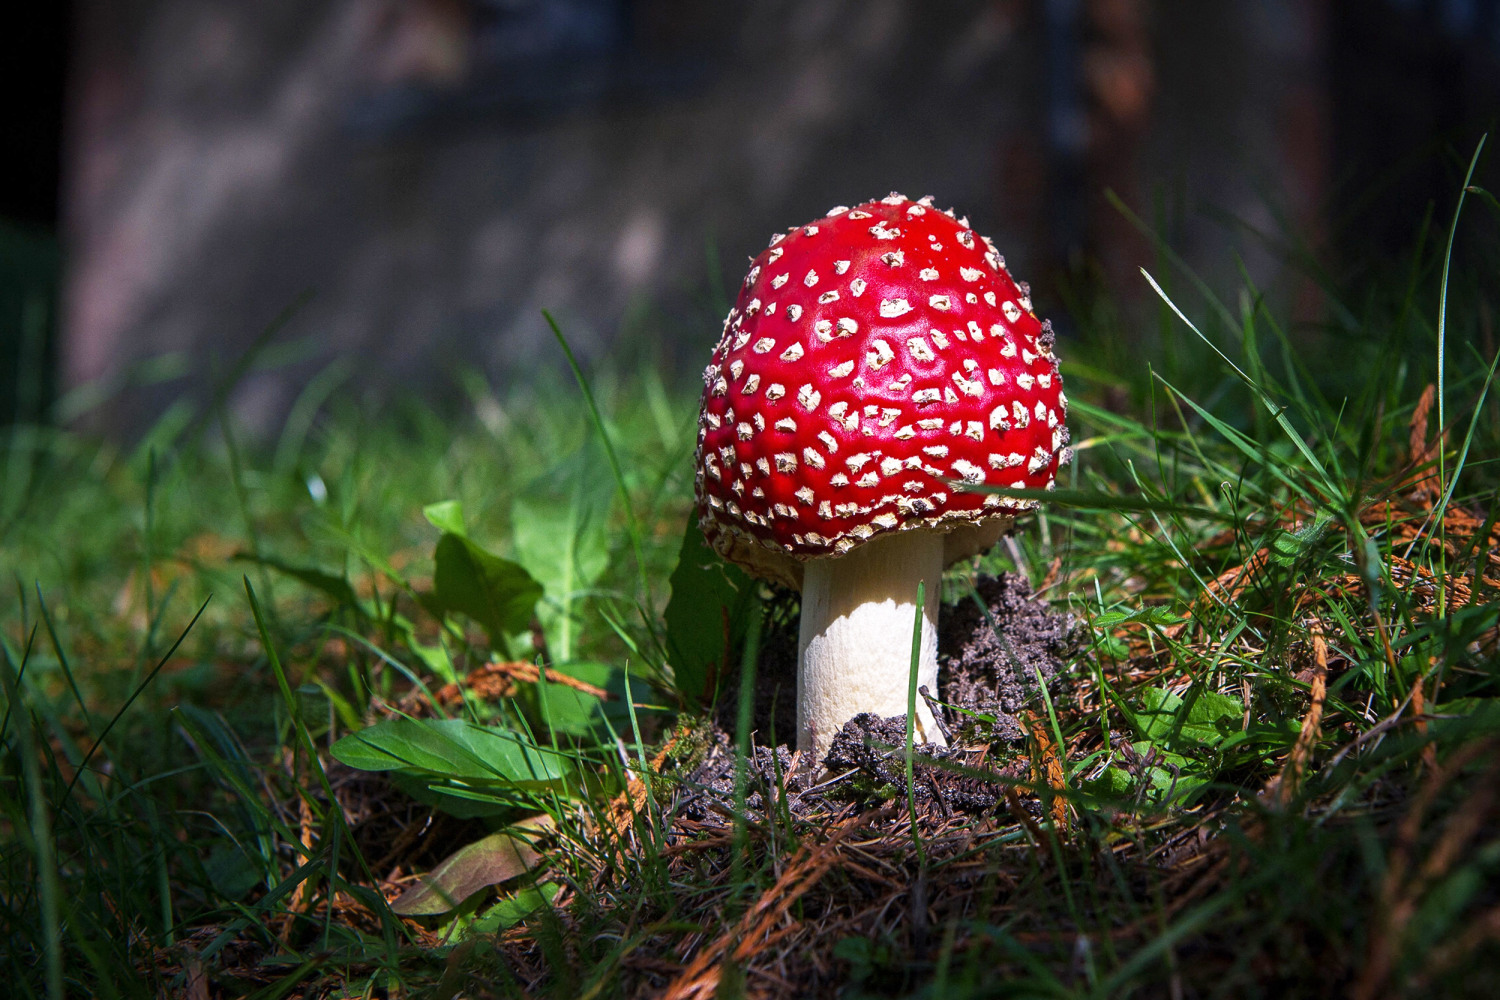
434,657
515,908
561,534
232,870
1151,615
1170,777
489,861
451,748
1114,783
706,616
497,593
336,587
1213,717
1173,777
446,516
859,952
577,713
1157,714
455,799
1112,646
1285,546
1208,721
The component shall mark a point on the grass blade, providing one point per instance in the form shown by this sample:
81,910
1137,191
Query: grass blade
1442,325
38,835
1277,412
632,525
145,683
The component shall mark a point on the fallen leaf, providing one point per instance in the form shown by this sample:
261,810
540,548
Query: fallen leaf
494,859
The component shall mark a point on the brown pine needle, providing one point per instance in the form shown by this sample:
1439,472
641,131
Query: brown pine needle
1283,788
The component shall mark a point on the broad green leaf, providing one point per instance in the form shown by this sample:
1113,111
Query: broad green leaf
1173,777
232,870
488,861
1208,721
497,593
515,908
446,516
1114,783
706,616
451,748
1111,645
1169,777
1285,546
864,956
1157,713
562,538
436,656
455,798
574,712
1212,717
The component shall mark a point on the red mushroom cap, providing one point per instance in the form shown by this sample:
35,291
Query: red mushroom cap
872,358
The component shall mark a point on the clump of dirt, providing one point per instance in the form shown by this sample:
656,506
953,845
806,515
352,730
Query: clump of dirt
956,778
708,790
989,656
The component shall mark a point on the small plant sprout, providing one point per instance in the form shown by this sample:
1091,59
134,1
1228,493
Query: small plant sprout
877,362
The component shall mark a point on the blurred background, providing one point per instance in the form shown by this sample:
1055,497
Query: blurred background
378,196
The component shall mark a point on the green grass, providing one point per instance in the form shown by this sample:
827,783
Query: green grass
245,683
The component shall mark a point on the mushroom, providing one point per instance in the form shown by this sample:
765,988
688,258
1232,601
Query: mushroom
876,362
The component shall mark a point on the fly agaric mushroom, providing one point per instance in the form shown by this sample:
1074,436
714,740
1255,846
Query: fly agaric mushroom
875,361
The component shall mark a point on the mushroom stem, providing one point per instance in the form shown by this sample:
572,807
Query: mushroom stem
856,635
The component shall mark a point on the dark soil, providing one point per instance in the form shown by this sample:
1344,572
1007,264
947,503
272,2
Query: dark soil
993,644
871,751
989,657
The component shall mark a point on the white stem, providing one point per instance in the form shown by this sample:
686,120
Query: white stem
855,644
